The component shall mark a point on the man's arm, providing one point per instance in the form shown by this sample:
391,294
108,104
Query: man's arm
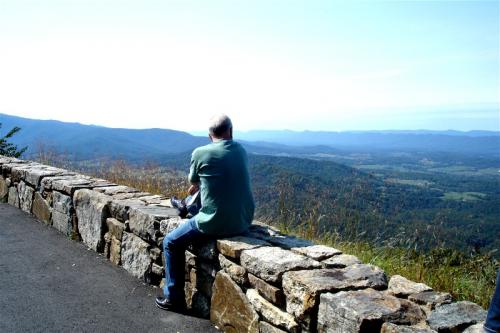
193,177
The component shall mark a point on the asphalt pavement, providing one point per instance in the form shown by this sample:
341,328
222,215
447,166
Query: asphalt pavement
49,283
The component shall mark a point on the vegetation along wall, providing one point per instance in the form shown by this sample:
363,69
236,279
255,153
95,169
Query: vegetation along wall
263,281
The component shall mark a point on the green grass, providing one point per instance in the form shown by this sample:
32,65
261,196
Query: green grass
464,196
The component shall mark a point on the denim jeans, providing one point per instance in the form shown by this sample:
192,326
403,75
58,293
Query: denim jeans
492,323
174,247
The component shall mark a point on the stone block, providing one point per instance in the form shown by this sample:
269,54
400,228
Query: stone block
62,222
61,202
402,287
430,299
302,288
235,271
115,190
317,252
170,224
236,315
268,328
13,199
455,317
289,242
392,328
119,209
363,311
266,290
115,250
232,247
270,263
92,211
145,221
135,255
271,313
4,190
341,261
41,209
18,172
66,184
115,227
26,193
34,175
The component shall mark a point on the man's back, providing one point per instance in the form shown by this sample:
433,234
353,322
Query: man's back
226,198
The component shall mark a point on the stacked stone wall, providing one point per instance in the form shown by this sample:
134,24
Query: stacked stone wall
262,281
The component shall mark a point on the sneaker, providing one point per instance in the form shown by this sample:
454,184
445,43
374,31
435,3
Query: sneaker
163,303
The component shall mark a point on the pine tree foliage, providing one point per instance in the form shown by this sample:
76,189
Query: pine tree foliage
8,148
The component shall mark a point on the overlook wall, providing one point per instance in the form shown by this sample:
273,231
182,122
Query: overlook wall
263,281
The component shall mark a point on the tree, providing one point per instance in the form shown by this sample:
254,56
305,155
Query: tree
7,148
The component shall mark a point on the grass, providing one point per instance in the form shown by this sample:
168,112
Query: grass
466,277
464,196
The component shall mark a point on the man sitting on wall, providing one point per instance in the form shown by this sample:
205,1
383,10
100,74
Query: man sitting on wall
219,171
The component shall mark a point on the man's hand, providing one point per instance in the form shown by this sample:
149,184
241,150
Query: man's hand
193,189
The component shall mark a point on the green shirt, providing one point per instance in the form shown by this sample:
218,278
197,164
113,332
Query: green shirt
227,206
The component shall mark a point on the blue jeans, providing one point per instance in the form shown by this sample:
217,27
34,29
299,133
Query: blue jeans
492,323
174,247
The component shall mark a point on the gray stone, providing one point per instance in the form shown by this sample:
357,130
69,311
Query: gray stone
268,328
18,172
289,242
302,288
4,189
157,269
271,313
317,252
135,256
455,317
61,202
35,175
363,311
269,292
152,199
190,259
235,271
92,212
170,224
236,315
62,222
478,328
402,287
116,189
7,168
115,227
66,183
13,196
341,261
41,209
25,196
431,299
145,221
130,196
270,263
119,209
392,328
232,247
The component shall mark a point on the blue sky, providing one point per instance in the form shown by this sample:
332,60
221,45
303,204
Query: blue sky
317,65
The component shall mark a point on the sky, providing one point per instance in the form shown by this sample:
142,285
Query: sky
299,65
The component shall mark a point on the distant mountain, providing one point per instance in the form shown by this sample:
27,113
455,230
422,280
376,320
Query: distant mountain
89,141
477,142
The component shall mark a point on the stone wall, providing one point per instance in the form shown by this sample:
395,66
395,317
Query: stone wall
263,281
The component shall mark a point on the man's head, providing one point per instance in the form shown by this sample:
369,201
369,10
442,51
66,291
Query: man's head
221,128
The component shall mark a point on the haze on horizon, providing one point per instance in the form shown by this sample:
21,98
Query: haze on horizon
299,65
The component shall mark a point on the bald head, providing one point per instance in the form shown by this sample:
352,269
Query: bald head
221,127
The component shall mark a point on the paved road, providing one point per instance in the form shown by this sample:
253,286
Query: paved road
49,283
